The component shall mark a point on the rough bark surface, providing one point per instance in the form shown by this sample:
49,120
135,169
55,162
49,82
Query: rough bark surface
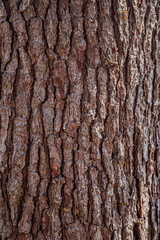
79,119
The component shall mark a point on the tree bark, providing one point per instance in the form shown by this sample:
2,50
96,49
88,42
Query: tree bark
79,119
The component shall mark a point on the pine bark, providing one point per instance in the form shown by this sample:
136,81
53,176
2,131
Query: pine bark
79,119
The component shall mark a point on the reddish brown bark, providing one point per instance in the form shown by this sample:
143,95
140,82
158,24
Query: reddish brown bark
79,119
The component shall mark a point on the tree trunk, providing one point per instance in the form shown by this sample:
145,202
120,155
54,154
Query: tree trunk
79,119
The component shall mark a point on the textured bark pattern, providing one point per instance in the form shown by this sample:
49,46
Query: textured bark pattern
79,119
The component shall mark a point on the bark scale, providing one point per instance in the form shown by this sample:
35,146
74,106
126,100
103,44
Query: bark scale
79,119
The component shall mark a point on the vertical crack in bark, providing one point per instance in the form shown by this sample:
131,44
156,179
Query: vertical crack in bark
90,202
135,136
11,54
153,56
72,25
14,100
115,20
35,9
143,40
9,141
107,114
74,184
126,80
25,169
136,232
132,24
35,199
62,193
57,35
9,152
151,224
98,29
61,217
7,8
84,63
